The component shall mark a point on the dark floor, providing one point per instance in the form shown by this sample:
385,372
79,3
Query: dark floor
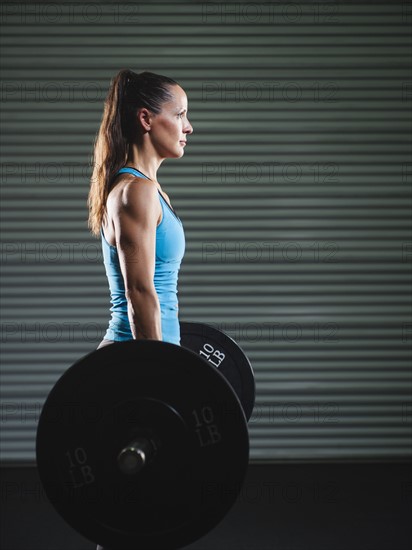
282,507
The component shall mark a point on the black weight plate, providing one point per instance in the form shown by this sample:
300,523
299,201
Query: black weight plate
226,355
154,390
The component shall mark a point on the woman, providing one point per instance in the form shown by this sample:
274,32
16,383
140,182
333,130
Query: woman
144,122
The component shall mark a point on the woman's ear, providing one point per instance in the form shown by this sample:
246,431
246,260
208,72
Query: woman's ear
145,117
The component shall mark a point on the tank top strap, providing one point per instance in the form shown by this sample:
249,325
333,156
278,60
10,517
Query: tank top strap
129,170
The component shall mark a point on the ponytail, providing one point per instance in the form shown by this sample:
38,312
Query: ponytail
127,93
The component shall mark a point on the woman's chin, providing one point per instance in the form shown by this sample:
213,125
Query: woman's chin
176,153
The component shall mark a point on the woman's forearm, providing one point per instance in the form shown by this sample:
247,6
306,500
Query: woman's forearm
143,309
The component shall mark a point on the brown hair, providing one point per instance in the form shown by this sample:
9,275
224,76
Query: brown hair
127,93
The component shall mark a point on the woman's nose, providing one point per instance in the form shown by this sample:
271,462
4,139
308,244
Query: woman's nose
189,128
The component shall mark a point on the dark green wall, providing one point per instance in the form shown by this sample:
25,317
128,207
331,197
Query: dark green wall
295,193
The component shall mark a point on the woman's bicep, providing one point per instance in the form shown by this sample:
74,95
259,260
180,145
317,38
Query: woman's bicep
135,228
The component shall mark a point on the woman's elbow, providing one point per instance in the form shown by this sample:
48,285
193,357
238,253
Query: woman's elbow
137,291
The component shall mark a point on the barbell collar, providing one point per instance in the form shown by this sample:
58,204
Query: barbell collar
135,456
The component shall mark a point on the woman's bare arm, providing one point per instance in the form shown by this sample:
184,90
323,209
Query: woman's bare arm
135,222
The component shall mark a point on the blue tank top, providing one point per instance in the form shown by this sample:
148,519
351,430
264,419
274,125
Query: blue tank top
170,249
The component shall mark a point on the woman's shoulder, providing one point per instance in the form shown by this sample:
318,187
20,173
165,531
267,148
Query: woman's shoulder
132,193
125,185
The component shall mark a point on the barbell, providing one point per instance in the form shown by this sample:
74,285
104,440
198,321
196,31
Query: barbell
144,444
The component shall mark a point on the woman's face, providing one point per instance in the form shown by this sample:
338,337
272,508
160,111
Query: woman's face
170,128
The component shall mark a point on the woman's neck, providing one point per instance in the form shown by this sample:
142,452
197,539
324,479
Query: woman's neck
144,159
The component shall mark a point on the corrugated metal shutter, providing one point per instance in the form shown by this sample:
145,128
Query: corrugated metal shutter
295,192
